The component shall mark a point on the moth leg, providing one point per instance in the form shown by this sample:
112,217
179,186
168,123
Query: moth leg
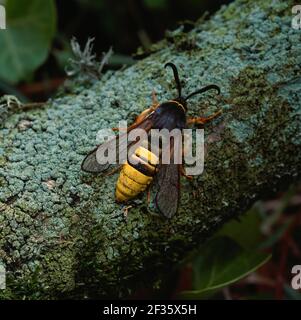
113,171
183,173
119,129
143,114
146,112
138,120
203,120
126,211
148,196
155,102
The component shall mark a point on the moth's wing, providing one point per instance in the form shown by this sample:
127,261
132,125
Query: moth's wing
167,181
168,194
90,163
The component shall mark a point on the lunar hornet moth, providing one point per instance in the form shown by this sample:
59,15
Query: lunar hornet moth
136,176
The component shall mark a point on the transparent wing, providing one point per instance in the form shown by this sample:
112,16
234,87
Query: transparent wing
90,163
168,182
168,195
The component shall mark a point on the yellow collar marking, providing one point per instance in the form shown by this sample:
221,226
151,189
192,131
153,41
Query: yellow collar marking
179,104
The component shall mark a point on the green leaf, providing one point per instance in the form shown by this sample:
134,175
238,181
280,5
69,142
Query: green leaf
245,232
31,25
222,262
276,235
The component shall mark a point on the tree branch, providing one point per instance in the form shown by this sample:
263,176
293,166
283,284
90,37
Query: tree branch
62,234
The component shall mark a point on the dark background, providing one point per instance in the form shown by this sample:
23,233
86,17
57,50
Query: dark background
123,24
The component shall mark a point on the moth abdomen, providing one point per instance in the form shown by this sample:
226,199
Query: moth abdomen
136,174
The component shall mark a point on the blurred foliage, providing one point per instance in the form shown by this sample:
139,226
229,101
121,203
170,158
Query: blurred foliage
222,262
26,42
35,47
230,256
251,258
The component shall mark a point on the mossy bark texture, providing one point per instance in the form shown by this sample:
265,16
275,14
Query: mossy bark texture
61,232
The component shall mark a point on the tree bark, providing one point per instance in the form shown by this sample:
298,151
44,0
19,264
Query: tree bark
61,232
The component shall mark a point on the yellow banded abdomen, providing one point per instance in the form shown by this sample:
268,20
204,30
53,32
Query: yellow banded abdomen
136,177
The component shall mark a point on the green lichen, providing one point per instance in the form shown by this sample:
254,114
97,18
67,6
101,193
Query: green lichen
61,232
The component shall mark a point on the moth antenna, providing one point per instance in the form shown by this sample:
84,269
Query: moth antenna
202,90
176,76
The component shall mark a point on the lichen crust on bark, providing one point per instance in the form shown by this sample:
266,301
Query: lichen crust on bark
61,232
